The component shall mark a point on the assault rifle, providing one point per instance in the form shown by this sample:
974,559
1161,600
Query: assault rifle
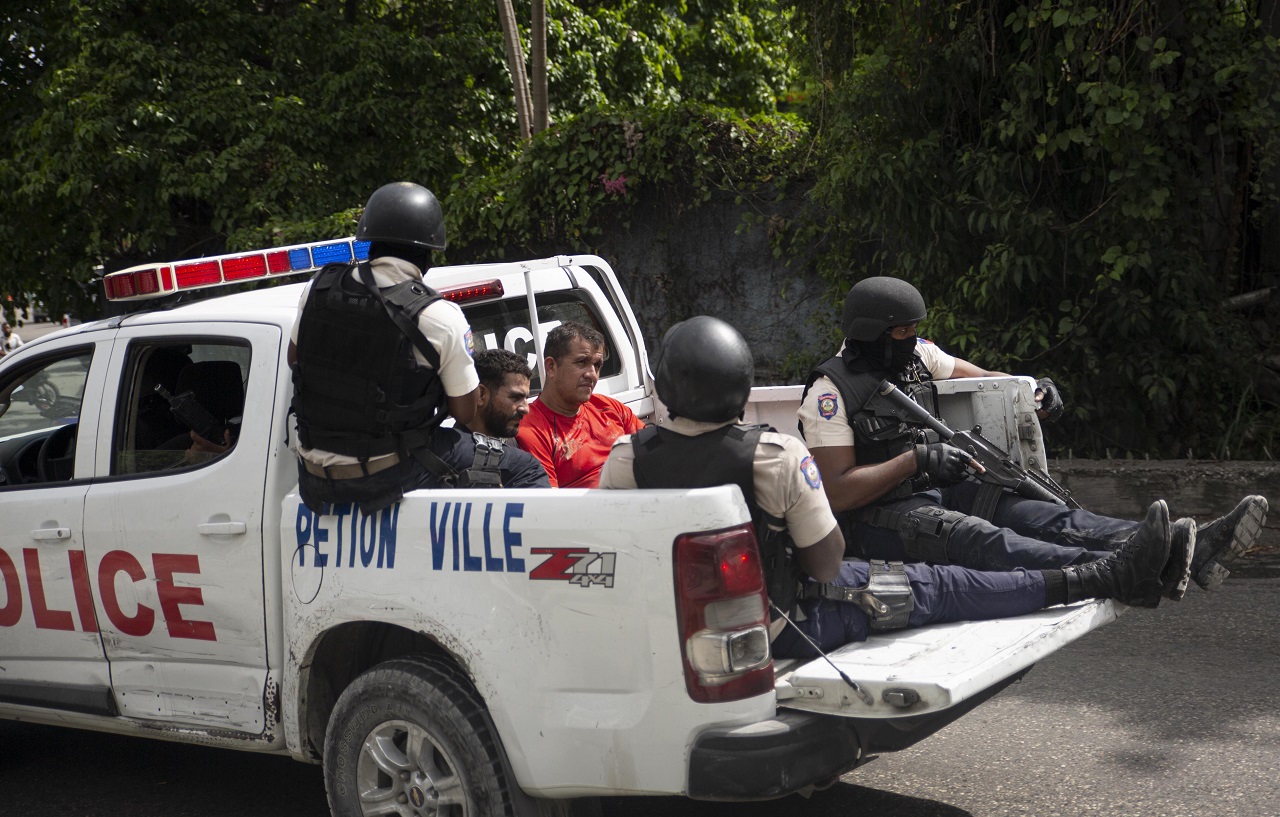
196,417
1000,467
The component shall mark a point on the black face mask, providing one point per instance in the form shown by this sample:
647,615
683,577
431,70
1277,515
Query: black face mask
902,353
882,354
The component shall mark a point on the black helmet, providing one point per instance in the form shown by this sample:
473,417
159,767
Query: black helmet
403,213
705,370
876,304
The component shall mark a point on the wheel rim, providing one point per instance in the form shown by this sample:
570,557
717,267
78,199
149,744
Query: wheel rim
403,771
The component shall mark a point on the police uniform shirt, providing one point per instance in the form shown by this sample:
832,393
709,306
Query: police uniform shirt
823,418
787,482
443,325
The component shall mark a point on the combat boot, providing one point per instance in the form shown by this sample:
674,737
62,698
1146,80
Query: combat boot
1182,547
1132,573
1226,539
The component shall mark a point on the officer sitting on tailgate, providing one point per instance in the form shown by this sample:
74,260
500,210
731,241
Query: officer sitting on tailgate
379,360
704,375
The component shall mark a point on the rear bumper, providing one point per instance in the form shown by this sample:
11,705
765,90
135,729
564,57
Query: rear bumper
772,758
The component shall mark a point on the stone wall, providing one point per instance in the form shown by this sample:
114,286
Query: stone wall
674,264
1202,489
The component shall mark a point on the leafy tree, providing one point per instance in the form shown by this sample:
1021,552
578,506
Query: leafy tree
142,129
1074,185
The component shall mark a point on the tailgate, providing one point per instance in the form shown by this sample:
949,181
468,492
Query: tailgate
914,672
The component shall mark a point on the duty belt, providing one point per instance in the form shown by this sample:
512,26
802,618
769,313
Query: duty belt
352,470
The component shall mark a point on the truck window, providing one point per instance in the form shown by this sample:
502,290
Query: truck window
169,391
505,325
40,418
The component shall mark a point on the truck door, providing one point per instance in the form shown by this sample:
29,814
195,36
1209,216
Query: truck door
174,532
50,652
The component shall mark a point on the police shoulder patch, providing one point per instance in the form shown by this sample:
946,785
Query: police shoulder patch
828,405
471,344
811,473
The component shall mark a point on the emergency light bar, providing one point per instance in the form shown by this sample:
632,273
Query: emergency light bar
150,281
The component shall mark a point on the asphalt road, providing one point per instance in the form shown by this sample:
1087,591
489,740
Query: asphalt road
1170,712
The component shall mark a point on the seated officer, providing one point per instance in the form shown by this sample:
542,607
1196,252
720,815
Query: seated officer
503,403
379,360
704,376
902,493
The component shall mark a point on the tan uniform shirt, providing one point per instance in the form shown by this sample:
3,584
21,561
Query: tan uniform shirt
824,420
787,482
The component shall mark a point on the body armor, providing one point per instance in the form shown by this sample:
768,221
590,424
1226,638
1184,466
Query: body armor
726,456
878,434
358,390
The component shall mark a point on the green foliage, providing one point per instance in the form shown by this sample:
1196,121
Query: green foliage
554,193
1071,185
165,129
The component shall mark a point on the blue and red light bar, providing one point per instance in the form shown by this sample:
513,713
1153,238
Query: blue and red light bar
157,280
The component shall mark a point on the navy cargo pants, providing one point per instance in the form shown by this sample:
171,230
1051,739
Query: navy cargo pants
1022,532
942,593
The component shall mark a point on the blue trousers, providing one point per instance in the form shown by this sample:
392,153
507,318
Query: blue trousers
1022,532
942,593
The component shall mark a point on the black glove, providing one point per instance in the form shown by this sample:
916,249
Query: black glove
1050,399
943,464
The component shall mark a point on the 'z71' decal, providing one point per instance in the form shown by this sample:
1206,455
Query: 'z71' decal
575,565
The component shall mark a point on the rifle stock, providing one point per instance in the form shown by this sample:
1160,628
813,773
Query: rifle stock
1000,467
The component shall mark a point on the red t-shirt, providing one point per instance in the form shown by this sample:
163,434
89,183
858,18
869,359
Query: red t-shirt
573,449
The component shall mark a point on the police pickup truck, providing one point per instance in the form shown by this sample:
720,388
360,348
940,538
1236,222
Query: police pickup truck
558,644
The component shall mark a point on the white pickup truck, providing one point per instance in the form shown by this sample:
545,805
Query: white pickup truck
564,641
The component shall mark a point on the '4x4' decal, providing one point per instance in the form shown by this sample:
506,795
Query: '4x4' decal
575,565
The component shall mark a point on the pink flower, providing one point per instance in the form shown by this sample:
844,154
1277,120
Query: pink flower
614,187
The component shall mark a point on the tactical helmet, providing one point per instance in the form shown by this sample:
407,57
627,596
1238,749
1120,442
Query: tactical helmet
403,213
876,304
705,370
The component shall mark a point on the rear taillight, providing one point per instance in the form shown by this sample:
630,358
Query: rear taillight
723,614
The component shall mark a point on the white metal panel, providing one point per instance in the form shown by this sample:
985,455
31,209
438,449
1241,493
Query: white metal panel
50,633
581,671
1004,410
944,664
776,406
182,601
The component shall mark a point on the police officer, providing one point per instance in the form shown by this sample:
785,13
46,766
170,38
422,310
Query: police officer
704,376
379,360
901,493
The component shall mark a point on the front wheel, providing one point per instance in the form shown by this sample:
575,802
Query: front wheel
410,738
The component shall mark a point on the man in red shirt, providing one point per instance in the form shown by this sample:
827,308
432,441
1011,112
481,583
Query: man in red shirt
570,429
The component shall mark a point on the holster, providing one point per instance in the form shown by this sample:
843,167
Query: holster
886,598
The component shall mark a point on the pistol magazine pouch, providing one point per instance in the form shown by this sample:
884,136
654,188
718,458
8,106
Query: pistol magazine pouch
924,531
484,472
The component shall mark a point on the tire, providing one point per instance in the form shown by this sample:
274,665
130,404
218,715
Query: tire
410,737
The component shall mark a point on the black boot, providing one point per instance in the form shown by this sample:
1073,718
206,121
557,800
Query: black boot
1132,573
1226,539
1182,547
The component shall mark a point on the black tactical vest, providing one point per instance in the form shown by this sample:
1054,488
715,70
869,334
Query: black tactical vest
726,456
878,435
358,391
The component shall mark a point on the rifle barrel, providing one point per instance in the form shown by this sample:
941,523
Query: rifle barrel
904,403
